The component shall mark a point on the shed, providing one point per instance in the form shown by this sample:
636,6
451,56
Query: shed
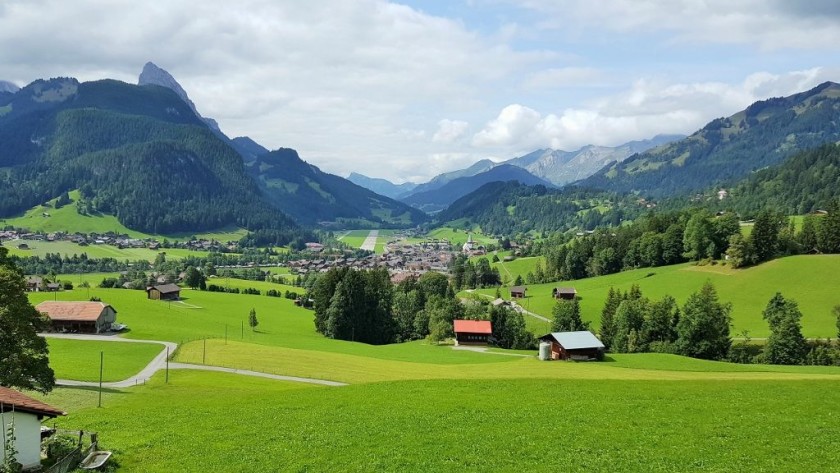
472,332
83,317
579,346
164,292
568,293
26,413
518,292
34,283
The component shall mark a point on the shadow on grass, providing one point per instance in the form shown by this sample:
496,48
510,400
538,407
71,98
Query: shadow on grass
95,389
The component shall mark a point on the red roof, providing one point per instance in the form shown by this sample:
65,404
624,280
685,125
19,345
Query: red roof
473,326
10,398
86,311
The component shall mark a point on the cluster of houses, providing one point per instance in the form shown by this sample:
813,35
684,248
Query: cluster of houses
400,258
580,345
113,239
38,284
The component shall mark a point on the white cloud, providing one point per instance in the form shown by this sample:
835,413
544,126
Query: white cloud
648,108
450,131
565,77
770,25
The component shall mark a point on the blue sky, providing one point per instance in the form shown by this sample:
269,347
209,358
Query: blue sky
411,89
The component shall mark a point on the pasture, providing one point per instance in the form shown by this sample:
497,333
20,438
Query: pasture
809,280
423,407
459,237
48,219
79,360
69,248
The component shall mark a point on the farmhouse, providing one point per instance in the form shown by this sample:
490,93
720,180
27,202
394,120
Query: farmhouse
567,293
578,346
84,317
26,414
518,292
164,292
472,332
34,283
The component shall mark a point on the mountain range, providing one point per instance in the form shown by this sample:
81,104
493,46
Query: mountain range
144,154
726,149
381,186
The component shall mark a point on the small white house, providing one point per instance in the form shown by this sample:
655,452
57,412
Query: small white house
26,414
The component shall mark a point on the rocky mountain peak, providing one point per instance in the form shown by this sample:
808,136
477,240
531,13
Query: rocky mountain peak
8,87
154,75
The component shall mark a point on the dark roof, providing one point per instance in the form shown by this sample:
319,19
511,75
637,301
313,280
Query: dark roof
473,326
166,288
9,398
566,290
574,340
518,289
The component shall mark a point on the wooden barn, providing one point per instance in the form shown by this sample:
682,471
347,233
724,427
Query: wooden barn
82,317
567,293
472,332
164,292
518,292
577,346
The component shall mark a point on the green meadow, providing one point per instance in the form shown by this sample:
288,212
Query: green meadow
69,248
48,219
427,407
810,280
459,237
80,360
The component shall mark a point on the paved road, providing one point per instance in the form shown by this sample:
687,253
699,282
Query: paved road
370,241
159,363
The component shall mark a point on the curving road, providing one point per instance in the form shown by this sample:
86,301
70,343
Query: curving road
159,363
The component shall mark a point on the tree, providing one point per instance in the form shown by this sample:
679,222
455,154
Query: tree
697,238
192,277
740,251
24,356
252,319
703,328
566,315
661,321
828,236
629,322
785,345
765,235
608,317
836,312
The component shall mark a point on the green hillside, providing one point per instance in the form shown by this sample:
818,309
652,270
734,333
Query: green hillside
810,280
48,219
764,134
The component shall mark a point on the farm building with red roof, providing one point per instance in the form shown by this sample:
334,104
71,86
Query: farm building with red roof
472,332
83,317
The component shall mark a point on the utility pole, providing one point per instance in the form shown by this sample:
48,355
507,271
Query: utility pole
167,365
101,364
204,353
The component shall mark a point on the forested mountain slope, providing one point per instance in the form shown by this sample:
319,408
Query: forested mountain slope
764,134
137,152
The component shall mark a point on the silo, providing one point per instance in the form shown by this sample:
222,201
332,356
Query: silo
545,351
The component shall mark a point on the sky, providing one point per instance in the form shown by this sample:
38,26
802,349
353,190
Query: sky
407,90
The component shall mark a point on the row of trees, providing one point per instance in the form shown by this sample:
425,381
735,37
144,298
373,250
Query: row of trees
466,275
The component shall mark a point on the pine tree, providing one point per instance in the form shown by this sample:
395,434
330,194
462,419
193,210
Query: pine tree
703,328
828,236
567,316
608,317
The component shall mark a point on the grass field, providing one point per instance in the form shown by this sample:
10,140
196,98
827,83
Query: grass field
79,360
69,248
48,219
224,423
422,407
355,238
459,237
810,280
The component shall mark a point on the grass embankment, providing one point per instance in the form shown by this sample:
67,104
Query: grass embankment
79,360
48,219
809,280
223,422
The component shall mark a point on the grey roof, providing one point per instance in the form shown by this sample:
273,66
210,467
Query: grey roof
575,340
566,290
168,288
518,289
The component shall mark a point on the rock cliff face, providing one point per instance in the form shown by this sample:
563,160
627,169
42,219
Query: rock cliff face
154,75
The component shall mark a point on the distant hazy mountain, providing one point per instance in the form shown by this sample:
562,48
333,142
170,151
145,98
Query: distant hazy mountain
562,167
441,179
8,87
248,148
312,196
381,186
764,134
441,197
